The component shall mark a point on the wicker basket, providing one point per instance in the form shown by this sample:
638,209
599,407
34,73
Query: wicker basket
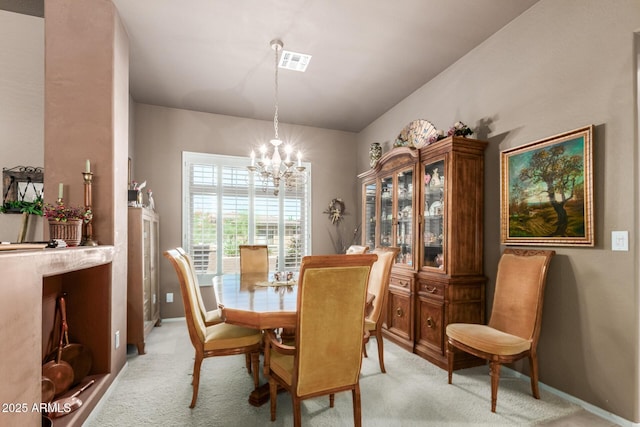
69,231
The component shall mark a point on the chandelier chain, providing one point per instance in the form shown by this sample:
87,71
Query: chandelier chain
275,116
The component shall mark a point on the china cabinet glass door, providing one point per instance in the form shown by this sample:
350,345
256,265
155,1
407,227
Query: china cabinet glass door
434,198
404,216
386,211
370,203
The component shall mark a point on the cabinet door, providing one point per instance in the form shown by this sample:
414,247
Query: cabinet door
154,284
386,211
146,268
434,199
369,214
430,328
399,314
404,216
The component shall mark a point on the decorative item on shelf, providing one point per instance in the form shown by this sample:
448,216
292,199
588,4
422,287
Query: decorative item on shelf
135,194
439,260
459,129
151,203
272,170
375,152
87,238
416,134
65,222
439,134
435,178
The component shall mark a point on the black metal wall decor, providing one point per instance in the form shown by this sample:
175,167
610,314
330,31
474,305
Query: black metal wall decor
22,188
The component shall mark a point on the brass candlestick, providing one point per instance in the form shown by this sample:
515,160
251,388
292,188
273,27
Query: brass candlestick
87,239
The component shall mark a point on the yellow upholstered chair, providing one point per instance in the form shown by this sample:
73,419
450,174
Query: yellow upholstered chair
357,249
322,362
514,326
210,317
221,339
378,287
254,258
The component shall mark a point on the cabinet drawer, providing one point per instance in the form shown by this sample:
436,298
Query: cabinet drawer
429,327
400,282
431,289
399,315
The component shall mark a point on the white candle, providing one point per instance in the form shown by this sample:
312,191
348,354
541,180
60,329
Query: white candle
60,190
88,168
253,157
299,158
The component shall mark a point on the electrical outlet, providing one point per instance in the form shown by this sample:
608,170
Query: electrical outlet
117,339
169,297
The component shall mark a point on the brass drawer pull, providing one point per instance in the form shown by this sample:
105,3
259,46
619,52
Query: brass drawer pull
432,290
399,312
430,323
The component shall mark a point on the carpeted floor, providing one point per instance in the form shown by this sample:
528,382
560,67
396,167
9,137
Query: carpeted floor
155,390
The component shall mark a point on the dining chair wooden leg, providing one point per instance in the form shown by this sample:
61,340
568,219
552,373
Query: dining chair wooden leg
357,409
380,350
533,368
273,396
332,399
450,361
197,363
297,412
494,368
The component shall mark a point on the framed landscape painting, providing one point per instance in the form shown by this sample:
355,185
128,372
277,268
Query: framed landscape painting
546,190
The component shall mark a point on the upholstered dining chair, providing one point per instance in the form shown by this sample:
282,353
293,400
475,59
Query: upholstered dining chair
378,286
514,326
210,317
254,258
221,339
322,363
357,249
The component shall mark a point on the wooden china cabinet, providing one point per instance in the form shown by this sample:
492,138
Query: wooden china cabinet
429,202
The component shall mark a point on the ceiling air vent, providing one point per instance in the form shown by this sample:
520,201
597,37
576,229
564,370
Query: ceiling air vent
294,61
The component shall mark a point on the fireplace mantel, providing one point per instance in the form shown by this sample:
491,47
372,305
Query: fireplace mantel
31,281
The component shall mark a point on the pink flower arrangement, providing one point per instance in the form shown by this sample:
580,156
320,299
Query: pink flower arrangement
459,129
61,213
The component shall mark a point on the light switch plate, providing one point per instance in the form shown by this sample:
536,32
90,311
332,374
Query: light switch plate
619,240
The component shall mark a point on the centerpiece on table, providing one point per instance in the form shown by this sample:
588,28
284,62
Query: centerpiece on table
65,222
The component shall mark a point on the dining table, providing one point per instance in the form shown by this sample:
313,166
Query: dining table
261,301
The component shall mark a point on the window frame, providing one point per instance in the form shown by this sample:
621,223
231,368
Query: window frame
219,161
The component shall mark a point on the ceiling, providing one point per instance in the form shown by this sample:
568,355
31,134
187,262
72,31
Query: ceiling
367,55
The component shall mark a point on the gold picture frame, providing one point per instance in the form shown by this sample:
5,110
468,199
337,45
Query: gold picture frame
546,190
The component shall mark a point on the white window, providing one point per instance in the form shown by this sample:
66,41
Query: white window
225,206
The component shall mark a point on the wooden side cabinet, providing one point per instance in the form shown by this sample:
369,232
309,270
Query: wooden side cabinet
143,306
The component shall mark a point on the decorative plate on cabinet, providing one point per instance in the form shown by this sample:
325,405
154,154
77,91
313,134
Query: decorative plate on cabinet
417,133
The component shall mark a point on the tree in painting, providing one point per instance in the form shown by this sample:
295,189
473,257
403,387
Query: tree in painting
547,194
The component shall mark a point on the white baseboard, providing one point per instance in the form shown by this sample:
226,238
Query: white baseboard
587,406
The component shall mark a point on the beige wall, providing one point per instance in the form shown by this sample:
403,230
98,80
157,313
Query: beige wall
559,66
162,134
21,106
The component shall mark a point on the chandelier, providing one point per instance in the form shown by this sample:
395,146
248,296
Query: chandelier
271,168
